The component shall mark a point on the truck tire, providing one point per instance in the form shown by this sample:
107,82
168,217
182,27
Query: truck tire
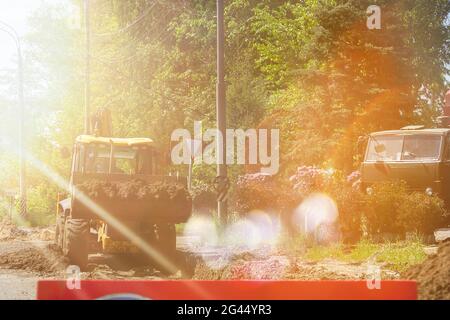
76,242
148,234
167,245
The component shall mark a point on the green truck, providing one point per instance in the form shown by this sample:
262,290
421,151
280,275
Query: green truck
417,155
421,157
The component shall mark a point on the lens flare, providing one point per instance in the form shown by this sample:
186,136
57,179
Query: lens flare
316,210
243,235
105,216
268,226
201,231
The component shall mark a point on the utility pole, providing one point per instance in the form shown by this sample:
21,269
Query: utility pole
222,204
87,92
22,183
22,166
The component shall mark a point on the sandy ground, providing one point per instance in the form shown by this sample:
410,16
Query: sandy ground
24,262
27,255
17,285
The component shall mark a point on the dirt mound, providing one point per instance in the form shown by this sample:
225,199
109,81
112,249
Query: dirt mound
98,189
433,275
162,197
10,231
45,259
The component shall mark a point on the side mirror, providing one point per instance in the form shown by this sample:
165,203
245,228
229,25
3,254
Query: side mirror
65,152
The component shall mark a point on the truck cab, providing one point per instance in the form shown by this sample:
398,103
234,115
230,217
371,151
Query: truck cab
418,156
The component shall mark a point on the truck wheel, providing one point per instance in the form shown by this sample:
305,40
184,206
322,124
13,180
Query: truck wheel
167,245
76,242
148,234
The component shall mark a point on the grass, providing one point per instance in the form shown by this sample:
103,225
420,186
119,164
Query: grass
397,256
318,253
400,256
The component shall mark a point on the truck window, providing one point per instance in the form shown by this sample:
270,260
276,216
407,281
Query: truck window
97,158
413,147
421,147
125,160
391,148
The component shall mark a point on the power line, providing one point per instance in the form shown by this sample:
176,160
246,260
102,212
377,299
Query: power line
164,32
126,28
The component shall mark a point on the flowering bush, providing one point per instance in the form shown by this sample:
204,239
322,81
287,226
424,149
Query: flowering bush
262,192
354,179
204,197
389,209
309,179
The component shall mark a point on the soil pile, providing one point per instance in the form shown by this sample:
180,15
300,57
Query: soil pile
100,190
433,275
9,231
40,259
160,196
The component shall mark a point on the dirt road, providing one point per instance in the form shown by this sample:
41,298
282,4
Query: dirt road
24,262
27,255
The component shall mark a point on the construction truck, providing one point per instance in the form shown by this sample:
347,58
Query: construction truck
85,225
417,155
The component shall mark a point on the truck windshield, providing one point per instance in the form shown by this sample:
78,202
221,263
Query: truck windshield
125,160
415,147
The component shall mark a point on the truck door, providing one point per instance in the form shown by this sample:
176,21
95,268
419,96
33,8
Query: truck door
445,172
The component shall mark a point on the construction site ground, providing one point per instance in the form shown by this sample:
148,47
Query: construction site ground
28,254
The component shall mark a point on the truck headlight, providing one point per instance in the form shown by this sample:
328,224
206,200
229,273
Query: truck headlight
369,191
429,191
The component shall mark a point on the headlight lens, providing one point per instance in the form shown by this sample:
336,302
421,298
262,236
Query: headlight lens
429,191
369,190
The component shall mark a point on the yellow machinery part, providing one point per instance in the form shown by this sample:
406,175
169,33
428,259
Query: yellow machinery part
114,246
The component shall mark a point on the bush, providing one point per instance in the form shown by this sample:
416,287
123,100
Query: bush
309,179
350,205
204,197
343,190
391,208
263,192
381,207
420,213
41,203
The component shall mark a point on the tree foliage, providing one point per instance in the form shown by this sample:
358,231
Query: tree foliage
310,68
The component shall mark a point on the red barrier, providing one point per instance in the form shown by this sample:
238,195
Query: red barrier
229,290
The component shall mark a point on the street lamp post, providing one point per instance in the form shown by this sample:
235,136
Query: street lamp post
22,179
222,205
